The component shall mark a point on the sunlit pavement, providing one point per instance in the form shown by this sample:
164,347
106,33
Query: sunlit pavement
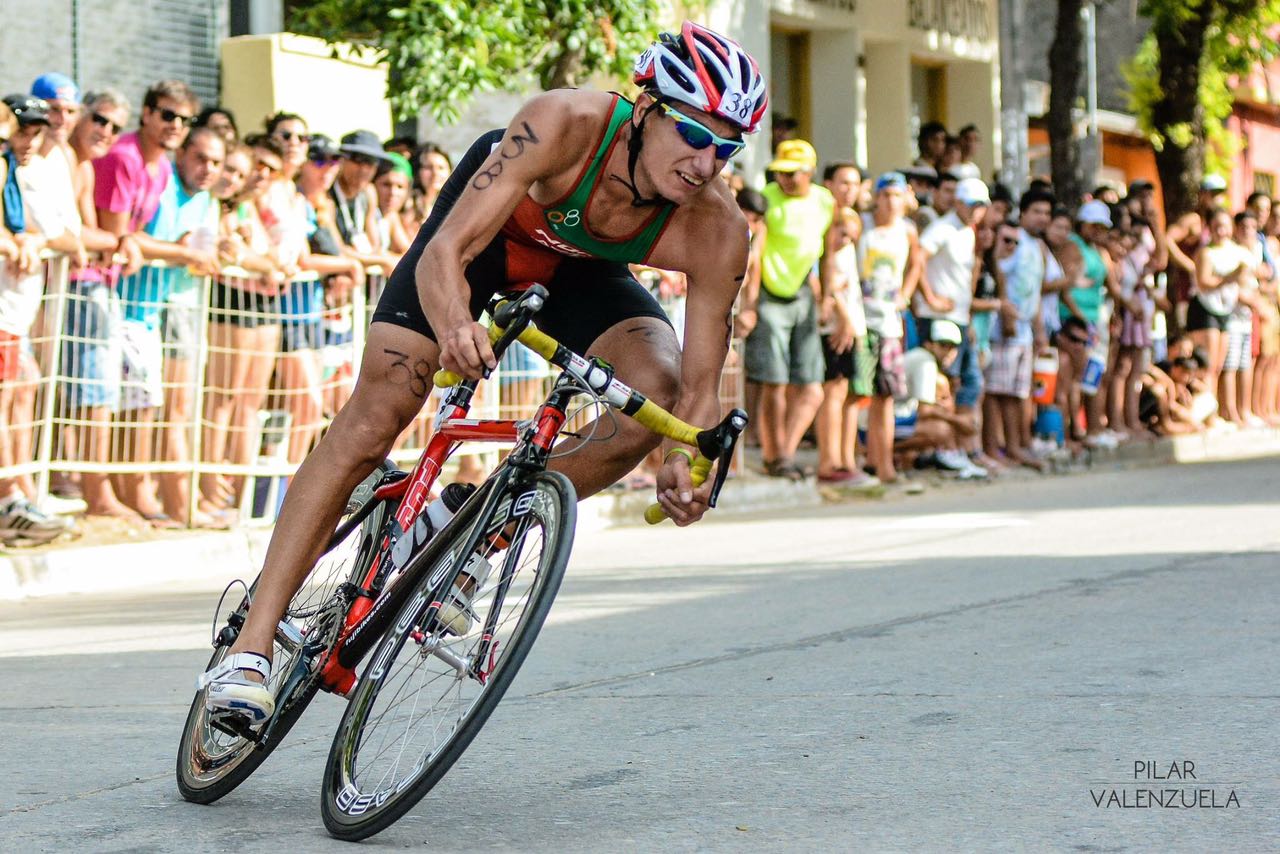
977,668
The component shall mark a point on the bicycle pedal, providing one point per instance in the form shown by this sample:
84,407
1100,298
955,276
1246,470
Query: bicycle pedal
237,725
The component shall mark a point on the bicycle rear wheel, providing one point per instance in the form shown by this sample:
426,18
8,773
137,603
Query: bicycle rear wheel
426,694
212,761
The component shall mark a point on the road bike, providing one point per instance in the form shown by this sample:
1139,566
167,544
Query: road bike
376,595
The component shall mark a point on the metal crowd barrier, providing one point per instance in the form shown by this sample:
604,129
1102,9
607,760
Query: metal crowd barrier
213,387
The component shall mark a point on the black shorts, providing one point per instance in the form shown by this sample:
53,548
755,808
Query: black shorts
1199,317
838,366
585,298
246,309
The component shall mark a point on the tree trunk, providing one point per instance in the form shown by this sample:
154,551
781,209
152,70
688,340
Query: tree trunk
1179,113
566,70
1064,82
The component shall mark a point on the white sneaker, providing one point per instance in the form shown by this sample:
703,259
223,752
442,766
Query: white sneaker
952,460
56,505
228,691
22,520
1101,441
456,614
972,472
1042,448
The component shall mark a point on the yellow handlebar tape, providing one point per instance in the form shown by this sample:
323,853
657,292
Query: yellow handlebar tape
662,422
698,473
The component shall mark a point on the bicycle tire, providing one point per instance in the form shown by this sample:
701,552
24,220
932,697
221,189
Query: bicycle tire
552,503
204,776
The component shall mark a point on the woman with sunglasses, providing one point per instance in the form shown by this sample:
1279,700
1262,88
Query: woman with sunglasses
315,180
292,223
579,185
1063,269
244,319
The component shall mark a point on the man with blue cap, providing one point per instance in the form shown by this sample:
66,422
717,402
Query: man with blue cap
63,97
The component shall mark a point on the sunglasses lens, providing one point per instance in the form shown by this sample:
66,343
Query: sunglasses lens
697,136
729,150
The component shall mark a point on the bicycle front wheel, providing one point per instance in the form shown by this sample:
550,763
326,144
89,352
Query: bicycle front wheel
427,693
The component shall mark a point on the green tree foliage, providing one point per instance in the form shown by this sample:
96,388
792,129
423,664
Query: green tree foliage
442,52
1180,82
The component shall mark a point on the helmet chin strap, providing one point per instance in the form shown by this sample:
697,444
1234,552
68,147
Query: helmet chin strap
634,143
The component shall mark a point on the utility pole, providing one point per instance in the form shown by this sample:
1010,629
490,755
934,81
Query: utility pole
1092,159
1013,109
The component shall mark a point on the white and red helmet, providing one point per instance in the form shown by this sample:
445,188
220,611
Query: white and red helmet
707,71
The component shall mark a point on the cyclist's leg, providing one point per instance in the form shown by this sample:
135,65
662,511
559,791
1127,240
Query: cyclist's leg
395,377
394,381
646,355
599,308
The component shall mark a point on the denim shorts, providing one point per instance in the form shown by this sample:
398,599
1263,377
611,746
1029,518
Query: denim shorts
91,346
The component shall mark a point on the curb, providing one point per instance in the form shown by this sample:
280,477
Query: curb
127,566
217,556
1196,448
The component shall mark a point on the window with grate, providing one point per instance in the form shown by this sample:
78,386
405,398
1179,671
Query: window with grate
131,45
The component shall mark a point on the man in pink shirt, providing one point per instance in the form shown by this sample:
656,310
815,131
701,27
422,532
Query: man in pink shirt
129,182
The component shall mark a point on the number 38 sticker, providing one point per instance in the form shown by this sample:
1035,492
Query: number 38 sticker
740,106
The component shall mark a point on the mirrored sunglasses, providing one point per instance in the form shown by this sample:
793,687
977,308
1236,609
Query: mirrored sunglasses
699,136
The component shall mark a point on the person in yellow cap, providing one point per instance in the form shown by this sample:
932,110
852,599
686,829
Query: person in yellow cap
784,349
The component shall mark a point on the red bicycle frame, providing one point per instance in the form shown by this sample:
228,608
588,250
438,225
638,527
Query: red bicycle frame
452,427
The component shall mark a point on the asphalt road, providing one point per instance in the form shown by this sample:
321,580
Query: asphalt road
978,668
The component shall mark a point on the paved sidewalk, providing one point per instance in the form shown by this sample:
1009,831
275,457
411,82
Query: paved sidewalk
185,557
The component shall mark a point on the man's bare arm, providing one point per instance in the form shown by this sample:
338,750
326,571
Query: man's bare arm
533,148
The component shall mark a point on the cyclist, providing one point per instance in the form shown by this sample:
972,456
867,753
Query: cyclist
579,185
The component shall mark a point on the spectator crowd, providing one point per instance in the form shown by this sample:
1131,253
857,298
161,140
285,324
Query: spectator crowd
287,227
923,318
917,318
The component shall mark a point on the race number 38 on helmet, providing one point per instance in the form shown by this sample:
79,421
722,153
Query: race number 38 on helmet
707,71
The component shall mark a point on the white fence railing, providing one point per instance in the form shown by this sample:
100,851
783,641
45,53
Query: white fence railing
210,385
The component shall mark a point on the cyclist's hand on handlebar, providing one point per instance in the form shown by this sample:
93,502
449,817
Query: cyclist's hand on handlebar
465,350
681,501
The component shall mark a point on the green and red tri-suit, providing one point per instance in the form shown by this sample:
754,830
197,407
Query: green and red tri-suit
590,286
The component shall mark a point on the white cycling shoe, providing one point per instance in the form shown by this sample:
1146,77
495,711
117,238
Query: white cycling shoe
229,691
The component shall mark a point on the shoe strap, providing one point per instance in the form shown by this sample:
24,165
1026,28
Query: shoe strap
251,661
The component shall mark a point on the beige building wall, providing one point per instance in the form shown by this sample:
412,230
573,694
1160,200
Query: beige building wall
268,73
960,40
888,85
856,87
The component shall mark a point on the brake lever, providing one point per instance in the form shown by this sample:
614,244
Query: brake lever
725,437
526,305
